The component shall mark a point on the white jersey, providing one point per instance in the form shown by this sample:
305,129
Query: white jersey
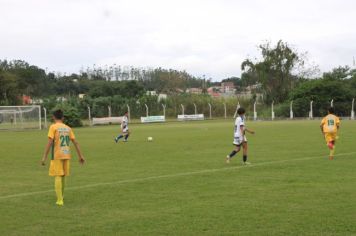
125,124
238,136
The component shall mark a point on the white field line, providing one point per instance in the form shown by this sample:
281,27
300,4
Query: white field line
169,176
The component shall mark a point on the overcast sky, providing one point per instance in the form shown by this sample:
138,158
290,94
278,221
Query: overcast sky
203,37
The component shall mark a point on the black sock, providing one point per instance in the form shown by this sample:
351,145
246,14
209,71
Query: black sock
244,158
126,136
233,153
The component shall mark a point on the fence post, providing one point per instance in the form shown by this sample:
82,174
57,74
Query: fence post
209,110
89,115
311,110
128,111
225,110
195,108
182,109
164,110
352,109
45,117
272,110
254,111
291,110
146,110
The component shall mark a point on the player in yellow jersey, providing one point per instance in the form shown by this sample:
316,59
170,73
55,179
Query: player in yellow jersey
59,138
329,127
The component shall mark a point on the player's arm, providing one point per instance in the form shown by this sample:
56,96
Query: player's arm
242,130
47,148
79,152
250,131
322,126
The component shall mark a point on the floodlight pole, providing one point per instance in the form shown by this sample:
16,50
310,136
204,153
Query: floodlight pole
146,110
182,109
209,110
195,108
254,111
225,110
291,110
272,111
311,110
332,103
45,117
352,109
164,110
89,115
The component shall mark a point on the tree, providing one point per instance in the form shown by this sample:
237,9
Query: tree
275,71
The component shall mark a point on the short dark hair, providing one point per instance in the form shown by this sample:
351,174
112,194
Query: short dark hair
58,114
241,111
331,110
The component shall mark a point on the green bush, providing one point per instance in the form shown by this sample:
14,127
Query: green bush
71,114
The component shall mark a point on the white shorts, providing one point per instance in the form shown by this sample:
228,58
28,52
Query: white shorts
239,140
125,130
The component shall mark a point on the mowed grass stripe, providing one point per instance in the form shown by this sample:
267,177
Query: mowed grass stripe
170,176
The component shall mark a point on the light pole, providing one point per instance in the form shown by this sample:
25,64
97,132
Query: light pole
45,117
128,111
182,109
352,109
332,103
109,109
225,110
254,111
146,110
311,110
89,115
164,110
195,108
209,110
291,110
272,110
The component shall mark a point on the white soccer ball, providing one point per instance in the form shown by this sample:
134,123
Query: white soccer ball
149,139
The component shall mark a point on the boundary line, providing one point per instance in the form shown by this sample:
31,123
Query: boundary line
168,176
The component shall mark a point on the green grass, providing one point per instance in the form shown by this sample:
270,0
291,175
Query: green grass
291,188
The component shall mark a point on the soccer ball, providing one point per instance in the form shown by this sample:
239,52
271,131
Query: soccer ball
149,139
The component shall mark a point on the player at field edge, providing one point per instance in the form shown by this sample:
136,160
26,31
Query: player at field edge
125,133
240,137
330,126
59,137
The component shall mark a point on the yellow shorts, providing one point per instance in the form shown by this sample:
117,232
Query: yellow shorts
59,167
330,137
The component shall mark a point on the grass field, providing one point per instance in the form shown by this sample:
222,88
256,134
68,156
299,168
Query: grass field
179,184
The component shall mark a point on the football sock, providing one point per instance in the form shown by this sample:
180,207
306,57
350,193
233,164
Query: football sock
244,158
126,136
58,188
332,152
233,153
120,136
63,183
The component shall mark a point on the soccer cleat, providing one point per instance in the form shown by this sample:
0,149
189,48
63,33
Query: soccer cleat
331,158
246,163
125,140
228,158
116,140
60,203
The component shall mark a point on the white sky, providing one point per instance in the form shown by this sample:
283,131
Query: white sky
203,37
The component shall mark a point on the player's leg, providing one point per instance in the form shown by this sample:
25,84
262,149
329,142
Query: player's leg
119,137
127,135
244,153
330,142
56,169
66,168
233,153
332,150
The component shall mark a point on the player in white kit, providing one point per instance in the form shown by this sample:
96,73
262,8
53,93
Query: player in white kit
240,137
124,128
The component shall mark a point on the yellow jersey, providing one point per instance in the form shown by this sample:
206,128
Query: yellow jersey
61,135
330,123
